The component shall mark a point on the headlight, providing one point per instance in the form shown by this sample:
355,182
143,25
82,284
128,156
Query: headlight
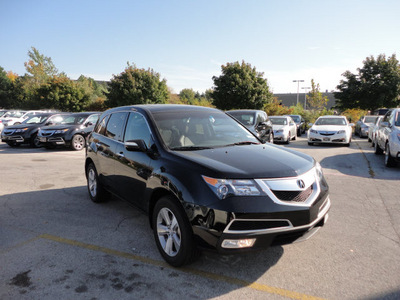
313,131
61,131
318,169
237,187
341,131
21,130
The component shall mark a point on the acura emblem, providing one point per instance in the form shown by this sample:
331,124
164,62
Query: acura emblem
301,184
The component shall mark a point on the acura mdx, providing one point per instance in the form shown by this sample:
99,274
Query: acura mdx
205,181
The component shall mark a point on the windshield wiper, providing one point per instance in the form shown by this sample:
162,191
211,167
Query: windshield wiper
190,148
243,143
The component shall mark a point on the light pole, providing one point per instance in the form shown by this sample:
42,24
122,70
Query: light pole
305,98
298,85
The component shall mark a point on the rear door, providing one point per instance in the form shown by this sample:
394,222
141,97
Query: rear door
106,137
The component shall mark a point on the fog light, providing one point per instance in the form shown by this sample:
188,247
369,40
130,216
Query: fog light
233,244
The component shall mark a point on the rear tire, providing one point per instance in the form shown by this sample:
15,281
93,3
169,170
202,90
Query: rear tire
173,233
97,193
35,143
389,160
377,149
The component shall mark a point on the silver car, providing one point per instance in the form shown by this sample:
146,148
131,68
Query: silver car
284,128
362,125
373,129
388,137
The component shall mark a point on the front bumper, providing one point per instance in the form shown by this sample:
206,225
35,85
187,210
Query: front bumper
329,139
55,140
281,136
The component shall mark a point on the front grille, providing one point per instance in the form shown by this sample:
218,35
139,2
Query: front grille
294,196
8,131
243,225
326,133
47,133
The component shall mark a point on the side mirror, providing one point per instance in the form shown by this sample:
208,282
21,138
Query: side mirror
88,124
136,145
351,124
310,124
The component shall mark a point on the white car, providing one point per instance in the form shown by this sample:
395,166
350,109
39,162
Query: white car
373,129
330,130
284,128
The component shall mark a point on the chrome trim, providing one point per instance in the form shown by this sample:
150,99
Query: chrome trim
321,215
256,230
290,184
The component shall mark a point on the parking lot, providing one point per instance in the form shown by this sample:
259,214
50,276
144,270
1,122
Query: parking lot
56,244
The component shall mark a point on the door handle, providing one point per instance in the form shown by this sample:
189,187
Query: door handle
120,155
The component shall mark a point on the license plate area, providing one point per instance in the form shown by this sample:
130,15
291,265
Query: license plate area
326,139
42,139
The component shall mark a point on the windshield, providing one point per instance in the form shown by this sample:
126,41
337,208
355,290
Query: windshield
195,130
38,119
330,121
297,119
370,119
2,113
279,121
14,114
244,118
73,119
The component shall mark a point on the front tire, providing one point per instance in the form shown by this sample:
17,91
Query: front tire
377,149
78,142
173,233
97,193
35,143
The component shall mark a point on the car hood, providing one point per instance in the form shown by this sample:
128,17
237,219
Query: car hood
329,127
57,127
19,126
250,161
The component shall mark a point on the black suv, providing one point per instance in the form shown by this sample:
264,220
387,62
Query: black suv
27,131
204,180
70,132
256,121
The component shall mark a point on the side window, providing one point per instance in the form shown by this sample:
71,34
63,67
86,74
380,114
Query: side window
386,118
115,126
137,129
259,119
101,126
92,119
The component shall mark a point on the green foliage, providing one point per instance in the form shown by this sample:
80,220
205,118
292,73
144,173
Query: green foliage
354,114
315,99
61,93
136,86
239,87
187,96
376,85
39,67
275,108
5,89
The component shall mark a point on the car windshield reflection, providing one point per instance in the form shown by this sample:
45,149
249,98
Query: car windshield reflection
201,130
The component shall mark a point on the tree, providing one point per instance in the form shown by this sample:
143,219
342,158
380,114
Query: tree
136,86
376,85
187,96
5,89
275,108
60,92
315,99
39,67
240,86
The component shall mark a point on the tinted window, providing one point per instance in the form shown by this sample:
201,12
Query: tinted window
115,126
92,119
101,126
137,129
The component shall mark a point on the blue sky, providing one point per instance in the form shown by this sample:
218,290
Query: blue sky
188,41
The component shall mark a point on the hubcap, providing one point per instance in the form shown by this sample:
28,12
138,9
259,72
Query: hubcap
92,183
169,233
79,142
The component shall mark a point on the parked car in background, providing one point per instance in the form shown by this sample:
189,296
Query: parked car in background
204,180
388,137
9,117
284,127
27,131
256,121
300,124
373,129
2,113
330,130
70,132
362,125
